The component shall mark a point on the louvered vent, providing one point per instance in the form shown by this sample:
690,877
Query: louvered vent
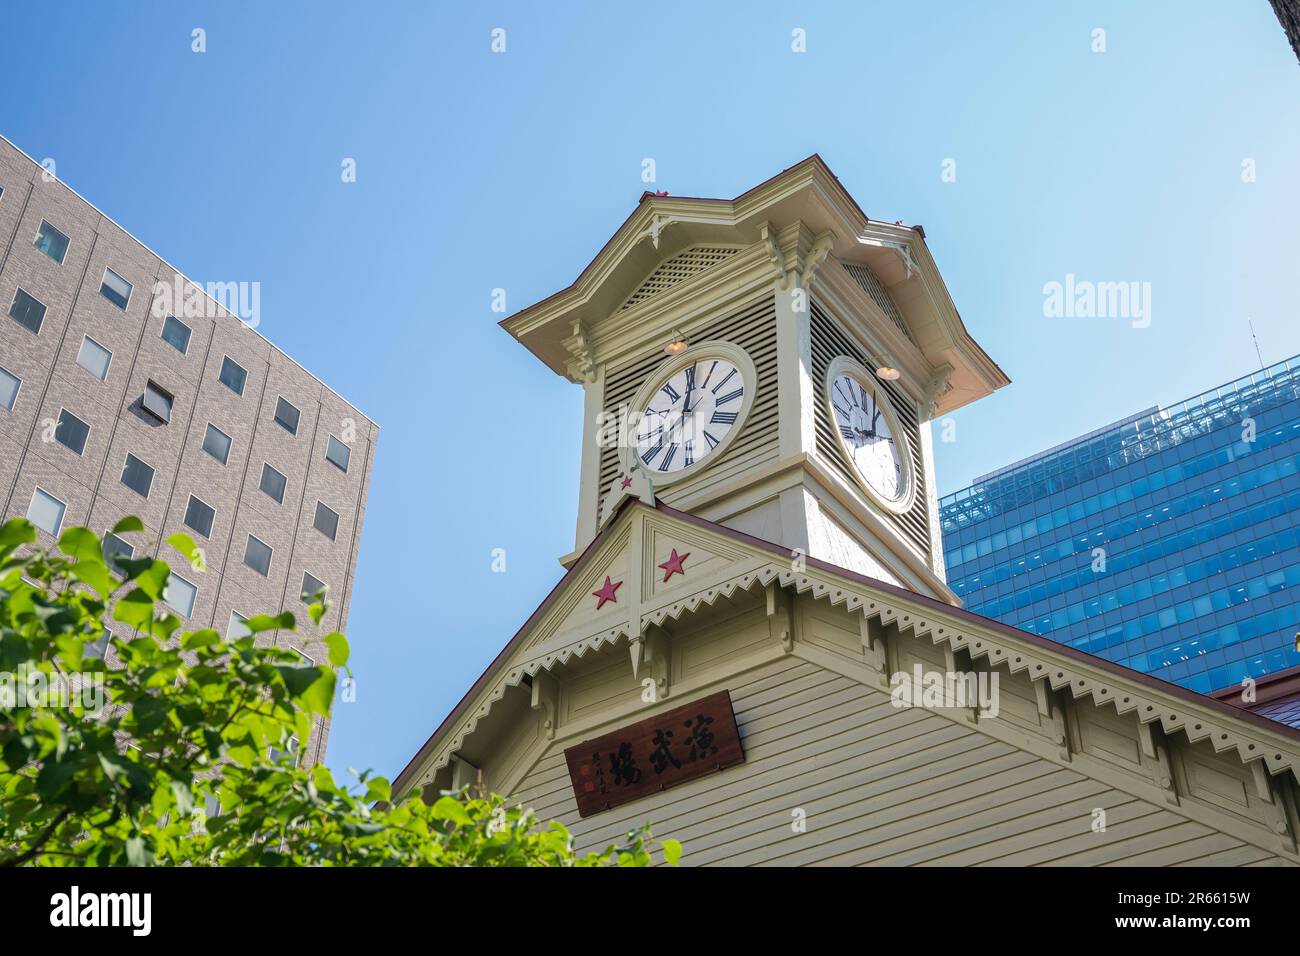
829,341
679,268
873,287
753,328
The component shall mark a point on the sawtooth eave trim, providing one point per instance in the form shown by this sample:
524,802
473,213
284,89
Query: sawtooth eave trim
1176,709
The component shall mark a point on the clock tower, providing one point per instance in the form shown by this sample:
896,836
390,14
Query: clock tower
771,363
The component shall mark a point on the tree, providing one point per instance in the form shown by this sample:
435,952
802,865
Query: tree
113,751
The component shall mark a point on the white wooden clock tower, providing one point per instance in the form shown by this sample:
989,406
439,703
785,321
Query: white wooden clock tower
808,348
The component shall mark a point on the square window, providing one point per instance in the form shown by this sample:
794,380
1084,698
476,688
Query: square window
71,432
176,334
237,627
257,555
233,375
137,476
217,444
199,515
46,512
273,483
326,521
9,385
115,289
180,594
157,401
114,548
311,586
52,242
94,358
286,416
96,649
28,311
337,453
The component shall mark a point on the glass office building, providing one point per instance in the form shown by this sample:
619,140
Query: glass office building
1166,542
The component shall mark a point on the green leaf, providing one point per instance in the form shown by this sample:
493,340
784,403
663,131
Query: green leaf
183,543
672,851
82,544
95,574
338,649
15,532
449,808
266,622
316,612
129,523
202,638
313,687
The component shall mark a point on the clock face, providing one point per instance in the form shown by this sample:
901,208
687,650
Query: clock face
690,414
864,427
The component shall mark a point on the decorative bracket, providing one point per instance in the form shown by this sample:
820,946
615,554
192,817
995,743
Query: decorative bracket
1050,708
657,225
775,254
934,387
1153,747
658,650
780,616
874,648
1275,810
582,362
816,256
545,699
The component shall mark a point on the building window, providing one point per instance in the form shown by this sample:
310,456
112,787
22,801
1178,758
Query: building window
180,594
237,627
46,512
233,375
290,751
9,386
176,334
96,649
28,311
199,515
311,587
71,432
273,483
287,415
52,242
217,444
115,548
94,358
115,289
337,453
327,520
158,402
257,555
137,476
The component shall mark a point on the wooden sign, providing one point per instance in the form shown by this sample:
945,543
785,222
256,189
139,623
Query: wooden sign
654,754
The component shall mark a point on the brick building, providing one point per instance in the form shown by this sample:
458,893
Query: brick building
186,416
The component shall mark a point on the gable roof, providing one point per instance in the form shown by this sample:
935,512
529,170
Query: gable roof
1201,717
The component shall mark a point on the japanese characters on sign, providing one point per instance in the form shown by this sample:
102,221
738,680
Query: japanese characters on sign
656,753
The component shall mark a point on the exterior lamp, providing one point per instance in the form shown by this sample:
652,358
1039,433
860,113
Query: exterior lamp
677,344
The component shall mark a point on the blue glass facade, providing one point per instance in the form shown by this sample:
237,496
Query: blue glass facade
1168,543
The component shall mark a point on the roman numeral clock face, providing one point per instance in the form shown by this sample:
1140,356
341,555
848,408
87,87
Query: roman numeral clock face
692,412
870,437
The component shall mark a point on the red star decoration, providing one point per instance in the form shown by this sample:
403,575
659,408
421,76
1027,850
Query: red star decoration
626,482
674,564
606,592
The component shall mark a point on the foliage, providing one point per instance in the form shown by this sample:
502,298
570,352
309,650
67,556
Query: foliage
193,722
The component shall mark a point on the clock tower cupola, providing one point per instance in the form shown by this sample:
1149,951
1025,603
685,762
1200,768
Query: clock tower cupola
771,363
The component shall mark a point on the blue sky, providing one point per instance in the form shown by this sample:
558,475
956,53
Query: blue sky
478,171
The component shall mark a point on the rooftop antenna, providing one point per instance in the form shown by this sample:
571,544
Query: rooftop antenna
1255,339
